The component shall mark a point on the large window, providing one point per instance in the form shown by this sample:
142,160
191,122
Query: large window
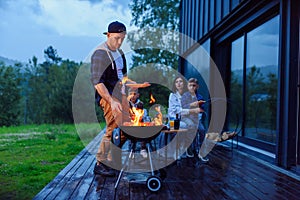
254,75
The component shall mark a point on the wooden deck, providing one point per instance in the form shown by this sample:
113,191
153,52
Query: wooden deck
230,174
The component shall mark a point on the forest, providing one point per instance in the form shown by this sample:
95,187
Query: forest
37,93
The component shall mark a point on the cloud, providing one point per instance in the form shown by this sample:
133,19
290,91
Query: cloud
80,18
73,27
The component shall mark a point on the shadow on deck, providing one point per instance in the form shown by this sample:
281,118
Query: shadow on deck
229,175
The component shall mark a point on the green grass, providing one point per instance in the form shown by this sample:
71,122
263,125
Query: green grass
31,156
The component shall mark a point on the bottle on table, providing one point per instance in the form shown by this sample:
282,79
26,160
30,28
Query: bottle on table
176,122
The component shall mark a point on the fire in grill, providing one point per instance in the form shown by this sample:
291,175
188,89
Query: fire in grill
137,129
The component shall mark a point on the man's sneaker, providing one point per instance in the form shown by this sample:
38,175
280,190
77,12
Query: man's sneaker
202,159
144,153
189,153
104,170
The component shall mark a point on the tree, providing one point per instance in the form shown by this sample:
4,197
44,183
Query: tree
271,89
155,45
155,41
50,89
61,81
10,95
234,116
51,55
254,88
160,87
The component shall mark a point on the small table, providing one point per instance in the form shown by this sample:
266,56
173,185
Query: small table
172,130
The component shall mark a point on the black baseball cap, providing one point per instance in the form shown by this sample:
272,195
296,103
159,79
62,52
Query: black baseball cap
115,27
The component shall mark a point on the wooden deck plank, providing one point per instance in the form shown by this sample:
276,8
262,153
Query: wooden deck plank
260,180
95,189
76,186
122,191
46,190
85,184
57,191
228,175
53,189
108,191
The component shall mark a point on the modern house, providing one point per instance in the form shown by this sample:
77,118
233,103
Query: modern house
254,47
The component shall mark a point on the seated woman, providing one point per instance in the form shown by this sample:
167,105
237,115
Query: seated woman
174,107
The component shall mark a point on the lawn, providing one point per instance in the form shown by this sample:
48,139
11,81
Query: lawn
31,156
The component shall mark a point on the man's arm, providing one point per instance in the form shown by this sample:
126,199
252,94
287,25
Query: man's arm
102,90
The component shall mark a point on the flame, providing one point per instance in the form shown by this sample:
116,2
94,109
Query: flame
152,99
124,80
137,115
158,118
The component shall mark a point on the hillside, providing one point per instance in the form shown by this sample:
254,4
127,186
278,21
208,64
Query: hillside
264,70
8,61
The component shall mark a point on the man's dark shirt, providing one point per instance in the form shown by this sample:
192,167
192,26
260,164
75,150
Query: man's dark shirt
104,70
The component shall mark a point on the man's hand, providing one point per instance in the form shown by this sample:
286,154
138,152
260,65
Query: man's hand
115,107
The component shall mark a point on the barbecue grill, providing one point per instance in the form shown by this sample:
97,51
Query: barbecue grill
141,134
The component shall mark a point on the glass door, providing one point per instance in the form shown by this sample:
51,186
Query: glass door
254,82
262,81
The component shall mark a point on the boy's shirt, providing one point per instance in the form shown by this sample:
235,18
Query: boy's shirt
186,99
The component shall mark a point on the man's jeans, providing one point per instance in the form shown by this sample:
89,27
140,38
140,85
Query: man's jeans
107,150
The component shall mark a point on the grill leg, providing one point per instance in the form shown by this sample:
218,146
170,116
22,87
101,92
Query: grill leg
125,164
150,159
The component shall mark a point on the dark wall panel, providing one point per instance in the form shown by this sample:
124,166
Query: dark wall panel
190,22
212,14
201,17
218,5
225,8
206,16
196,19
193,19
234,4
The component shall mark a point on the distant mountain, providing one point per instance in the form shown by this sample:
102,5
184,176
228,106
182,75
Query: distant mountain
264,70
8,61
269,69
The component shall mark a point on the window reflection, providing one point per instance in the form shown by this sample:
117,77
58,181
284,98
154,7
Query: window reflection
236,85
261,81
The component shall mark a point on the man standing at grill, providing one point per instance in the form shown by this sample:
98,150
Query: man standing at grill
108,66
